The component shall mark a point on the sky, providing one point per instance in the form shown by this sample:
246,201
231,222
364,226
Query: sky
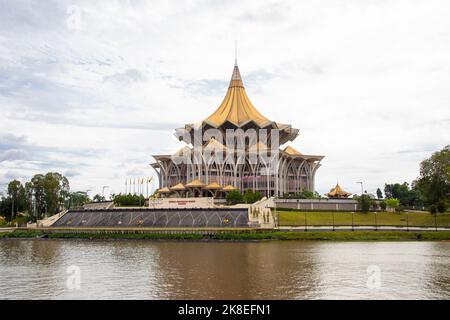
92,89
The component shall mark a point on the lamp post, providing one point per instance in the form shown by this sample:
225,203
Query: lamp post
103,191
362,188
333,221
276,215
376,223
353,223
407,221
435,221
87,194
306,222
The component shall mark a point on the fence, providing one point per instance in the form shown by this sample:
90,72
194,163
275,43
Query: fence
372,219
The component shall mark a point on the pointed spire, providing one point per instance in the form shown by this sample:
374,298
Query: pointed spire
235,53
236,107
236,80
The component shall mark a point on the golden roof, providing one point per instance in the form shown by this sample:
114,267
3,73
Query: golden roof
195,184
292,151
212,186
164,190
338,192
229,188
178,187
236,107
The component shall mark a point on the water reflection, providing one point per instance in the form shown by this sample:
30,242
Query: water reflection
31,269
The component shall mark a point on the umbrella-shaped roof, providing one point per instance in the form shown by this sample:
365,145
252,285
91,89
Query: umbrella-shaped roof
164,190
213,186
195,184
178,187
338,192
229,188
236,107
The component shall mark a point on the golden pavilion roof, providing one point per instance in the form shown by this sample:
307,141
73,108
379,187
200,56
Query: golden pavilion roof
229,188
195,184
236,107
338,192
178,187
213,186
164,190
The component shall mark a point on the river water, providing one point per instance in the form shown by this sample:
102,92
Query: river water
48,269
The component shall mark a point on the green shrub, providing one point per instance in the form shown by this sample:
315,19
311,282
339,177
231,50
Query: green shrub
433,209
441,206
129,200
383,205
251,197
234,197
392,203
364,202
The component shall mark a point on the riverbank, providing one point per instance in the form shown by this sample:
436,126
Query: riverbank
249,236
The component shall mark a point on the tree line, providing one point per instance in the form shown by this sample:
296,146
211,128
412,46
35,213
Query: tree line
44,195
431,189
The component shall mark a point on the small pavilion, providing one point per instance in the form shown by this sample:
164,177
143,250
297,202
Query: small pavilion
338,193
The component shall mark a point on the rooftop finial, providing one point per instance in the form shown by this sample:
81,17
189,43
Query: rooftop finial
235,52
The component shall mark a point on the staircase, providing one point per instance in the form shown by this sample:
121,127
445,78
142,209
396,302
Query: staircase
260,215
47,222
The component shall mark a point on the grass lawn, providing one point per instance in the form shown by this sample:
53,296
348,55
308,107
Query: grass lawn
248,236
423,219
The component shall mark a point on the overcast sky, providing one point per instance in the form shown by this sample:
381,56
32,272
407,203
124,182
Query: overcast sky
92,89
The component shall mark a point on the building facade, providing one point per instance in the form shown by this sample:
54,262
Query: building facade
236,147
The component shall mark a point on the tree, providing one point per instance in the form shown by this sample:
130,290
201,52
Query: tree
364,202
251,197
50,192
128,200
441,206
234,197
434,181
5,208
392,203
77,199
18,198
99,198
303,194
379,194
402,192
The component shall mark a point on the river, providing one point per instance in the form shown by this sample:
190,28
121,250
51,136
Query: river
80,269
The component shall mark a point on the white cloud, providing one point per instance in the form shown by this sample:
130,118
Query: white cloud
366,82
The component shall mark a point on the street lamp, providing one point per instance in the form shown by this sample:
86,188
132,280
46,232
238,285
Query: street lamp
376,222
103,191
306,223
353,221
333,222
361,183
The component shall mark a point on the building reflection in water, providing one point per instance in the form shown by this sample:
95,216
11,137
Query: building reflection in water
223,270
